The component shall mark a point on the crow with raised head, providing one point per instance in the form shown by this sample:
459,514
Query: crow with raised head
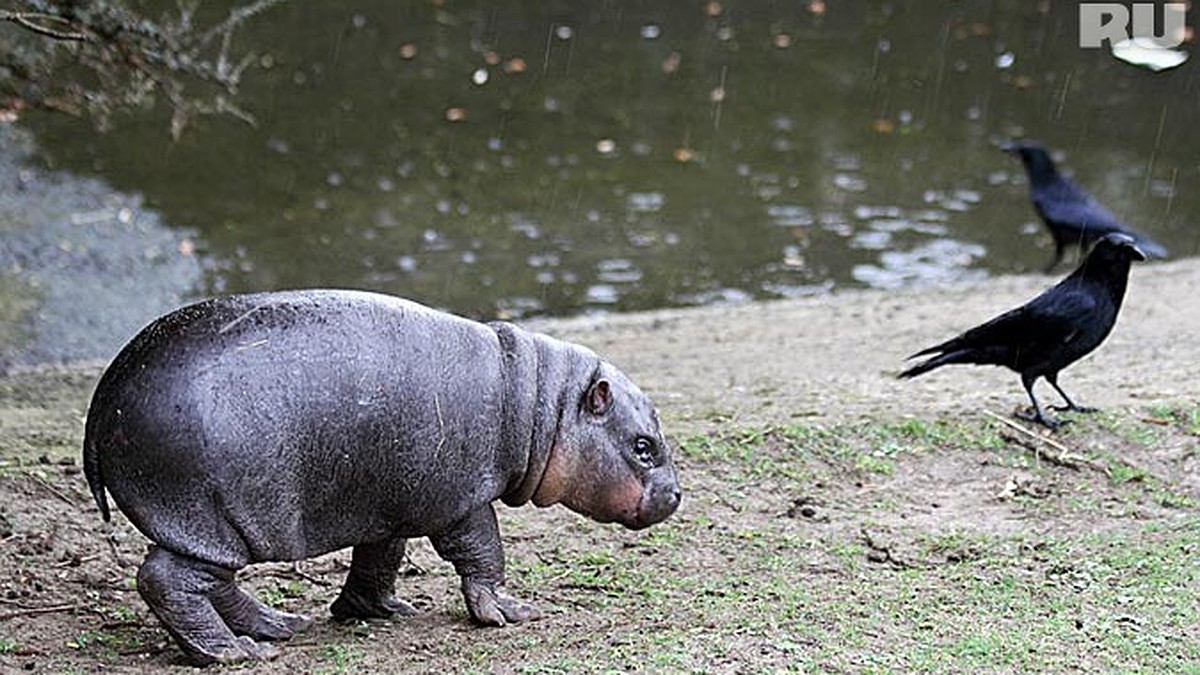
1071,215
1050,332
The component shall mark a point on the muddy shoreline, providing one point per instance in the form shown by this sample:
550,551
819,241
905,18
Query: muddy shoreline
834,358
828,360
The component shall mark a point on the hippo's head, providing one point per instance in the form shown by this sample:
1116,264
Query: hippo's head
610,461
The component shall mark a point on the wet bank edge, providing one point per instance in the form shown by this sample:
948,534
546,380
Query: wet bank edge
826,361
82,266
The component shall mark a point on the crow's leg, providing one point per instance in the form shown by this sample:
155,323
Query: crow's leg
1070,406
1037,416
1060,247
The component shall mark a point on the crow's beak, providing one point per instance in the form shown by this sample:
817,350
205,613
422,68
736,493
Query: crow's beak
1009,147
1137,253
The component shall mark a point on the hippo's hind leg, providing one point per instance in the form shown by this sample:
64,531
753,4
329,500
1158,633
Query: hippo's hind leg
369,591
180,590
473,546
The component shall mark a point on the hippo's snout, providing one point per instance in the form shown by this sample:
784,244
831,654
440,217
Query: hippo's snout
660,498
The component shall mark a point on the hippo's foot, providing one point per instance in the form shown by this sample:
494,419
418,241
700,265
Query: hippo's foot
247,616
352,605
184,593
490,606
370,586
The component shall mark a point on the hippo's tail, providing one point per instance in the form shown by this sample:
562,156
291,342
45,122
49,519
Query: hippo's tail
91,471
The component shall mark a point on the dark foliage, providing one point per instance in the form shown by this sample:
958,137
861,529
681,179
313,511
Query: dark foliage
95,58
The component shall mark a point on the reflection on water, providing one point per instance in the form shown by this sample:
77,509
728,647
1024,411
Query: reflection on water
526,158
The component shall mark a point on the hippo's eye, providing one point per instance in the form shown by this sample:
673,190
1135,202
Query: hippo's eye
644,450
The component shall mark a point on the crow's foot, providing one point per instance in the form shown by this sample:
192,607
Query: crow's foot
1074,408
1042,419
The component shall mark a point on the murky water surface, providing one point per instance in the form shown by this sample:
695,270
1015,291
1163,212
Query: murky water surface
531,158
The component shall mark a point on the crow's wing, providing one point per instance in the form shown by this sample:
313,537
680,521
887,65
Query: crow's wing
1060,315
1067,204
1045,323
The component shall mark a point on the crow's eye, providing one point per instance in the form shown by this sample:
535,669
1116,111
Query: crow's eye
643,450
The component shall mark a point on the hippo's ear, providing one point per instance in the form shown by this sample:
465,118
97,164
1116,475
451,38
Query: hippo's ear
599,397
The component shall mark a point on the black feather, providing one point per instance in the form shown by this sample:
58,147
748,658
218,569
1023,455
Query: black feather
1051,331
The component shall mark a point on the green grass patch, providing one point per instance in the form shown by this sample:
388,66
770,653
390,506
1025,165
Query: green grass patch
1120,473
1122,600
340,659
1130,429
1098,603
109,642
276,594
786,451
1185,418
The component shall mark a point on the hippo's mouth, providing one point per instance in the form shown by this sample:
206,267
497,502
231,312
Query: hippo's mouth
639,523
657,504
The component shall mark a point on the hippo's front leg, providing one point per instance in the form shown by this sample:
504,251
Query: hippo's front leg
473,546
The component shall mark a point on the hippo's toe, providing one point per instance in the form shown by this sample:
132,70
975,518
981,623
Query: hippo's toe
490,606
249,650
240,649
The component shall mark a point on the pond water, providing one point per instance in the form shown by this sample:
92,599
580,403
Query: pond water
547,158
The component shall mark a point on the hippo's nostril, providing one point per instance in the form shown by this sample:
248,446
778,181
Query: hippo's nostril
670,499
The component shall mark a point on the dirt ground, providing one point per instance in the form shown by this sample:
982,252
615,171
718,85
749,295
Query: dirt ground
834,519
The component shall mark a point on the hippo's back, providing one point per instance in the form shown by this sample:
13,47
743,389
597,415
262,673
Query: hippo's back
276,426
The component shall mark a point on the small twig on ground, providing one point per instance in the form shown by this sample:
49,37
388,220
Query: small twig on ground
75,562
1017,427
417,569
40,610
1064,458
51,489
285,573
1039,453
113,625
14,603
308,577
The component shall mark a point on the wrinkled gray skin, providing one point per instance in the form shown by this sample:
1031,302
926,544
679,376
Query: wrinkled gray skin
280,426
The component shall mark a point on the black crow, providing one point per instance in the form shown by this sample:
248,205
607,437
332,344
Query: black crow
1073,217
1052,331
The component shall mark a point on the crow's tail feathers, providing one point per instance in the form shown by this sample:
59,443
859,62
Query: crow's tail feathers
1151,248
922,368
935,362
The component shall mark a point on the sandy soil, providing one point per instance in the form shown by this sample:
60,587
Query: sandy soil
67,603
835,358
